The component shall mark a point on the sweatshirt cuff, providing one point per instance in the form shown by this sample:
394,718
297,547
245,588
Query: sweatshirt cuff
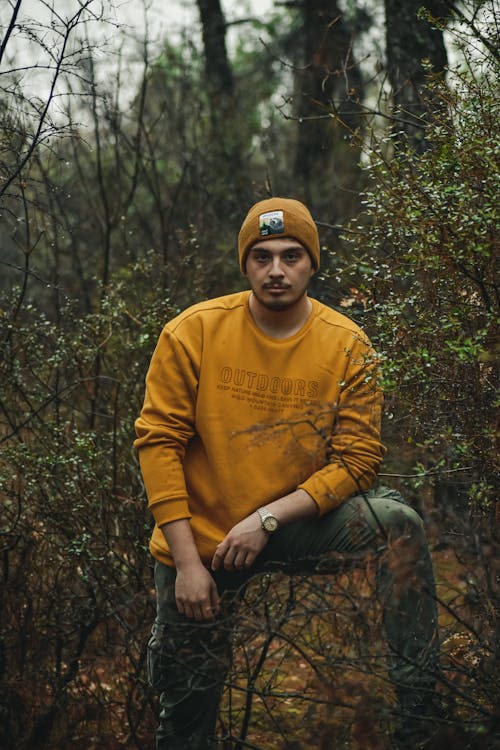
327,497
165,511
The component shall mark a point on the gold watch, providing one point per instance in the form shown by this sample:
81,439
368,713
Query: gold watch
268,522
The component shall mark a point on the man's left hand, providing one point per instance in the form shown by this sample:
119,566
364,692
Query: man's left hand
240,547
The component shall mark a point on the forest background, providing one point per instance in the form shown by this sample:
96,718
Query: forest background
128,159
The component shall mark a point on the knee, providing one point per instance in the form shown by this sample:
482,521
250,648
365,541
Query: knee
402,520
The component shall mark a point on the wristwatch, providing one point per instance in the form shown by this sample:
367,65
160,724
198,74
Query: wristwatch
268,522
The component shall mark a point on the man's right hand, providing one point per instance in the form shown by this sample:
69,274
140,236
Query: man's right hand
196,593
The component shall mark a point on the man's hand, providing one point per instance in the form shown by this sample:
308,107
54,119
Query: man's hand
240,547
196,594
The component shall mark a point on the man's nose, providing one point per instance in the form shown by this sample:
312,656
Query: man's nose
276,268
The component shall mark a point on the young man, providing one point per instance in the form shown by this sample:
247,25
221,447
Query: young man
259,442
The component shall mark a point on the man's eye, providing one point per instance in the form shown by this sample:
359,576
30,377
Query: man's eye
290,257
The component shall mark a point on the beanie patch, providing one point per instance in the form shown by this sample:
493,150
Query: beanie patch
271,223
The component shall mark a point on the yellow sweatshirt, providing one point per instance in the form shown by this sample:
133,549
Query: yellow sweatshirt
233,419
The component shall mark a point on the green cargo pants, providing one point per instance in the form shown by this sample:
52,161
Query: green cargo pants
188,662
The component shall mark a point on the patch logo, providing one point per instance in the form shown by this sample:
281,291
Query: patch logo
271,223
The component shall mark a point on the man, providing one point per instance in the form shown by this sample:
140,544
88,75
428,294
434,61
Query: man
258,442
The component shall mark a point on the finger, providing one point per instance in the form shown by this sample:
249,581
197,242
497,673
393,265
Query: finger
204,612
250,559
240,560
215,605
219,555
224,555
228,561
208,613
197,613
214,599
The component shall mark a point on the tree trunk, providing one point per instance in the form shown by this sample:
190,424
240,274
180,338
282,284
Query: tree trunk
226,130
410,40
218,71
329,89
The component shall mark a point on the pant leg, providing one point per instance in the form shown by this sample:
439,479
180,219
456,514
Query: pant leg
187,665
381,522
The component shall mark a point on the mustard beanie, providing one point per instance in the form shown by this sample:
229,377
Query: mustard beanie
278,217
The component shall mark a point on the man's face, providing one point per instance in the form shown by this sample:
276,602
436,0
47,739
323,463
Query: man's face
278,271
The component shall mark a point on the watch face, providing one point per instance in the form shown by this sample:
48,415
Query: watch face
270,523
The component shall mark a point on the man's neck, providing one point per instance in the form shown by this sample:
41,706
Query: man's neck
280,324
